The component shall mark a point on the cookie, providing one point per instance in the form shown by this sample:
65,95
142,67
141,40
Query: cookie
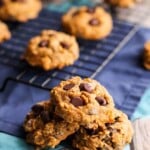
88,23
122,3
113,134
19,10
4,32
80,100
52,49
44,128
146,56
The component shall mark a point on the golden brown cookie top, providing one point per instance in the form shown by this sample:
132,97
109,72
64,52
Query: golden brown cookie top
52,49
88,23
80,100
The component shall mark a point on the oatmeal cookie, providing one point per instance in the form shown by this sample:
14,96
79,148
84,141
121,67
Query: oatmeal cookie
4,32
88,23
113,134
44,128
52,49
19,10
80,100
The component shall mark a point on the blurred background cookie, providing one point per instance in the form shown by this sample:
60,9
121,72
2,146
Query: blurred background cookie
122,3
146,56
4,32
52,49
19,10
88,23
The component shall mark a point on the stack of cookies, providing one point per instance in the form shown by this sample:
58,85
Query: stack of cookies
82,108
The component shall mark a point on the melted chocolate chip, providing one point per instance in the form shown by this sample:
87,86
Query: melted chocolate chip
1,2
45,116
44,43
108,125
101,101
86,87
37,109
117,119
68,86
77,101
94,131
75,13
90,10
94,22
64,45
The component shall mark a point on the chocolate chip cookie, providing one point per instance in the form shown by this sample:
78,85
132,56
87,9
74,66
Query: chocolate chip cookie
113,134
122,3
52,49
44,128
146,56
4,32
19,10
80,100
88,23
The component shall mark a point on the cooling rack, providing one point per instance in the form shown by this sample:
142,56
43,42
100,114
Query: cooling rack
94,55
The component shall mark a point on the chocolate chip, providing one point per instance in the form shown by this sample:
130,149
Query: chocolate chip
117,119
68,86
101,101
1,2
90,10
75,13
64,45
86,87
44,43
94,22
108,125
37,109
77,101
94,131
45,116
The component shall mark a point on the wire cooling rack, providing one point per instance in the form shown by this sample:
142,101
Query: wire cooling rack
94,55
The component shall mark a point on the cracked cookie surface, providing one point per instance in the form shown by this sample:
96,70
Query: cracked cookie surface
80,100
88,23
44,128
112,134
52,49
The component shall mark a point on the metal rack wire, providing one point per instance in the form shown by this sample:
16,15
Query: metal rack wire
94,55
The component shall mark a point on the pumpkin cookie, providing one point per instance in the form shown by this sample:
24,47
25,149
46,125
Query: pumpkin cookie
4,32
19,10
44,128
122,3
52,49
80,100
88,23
113,134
